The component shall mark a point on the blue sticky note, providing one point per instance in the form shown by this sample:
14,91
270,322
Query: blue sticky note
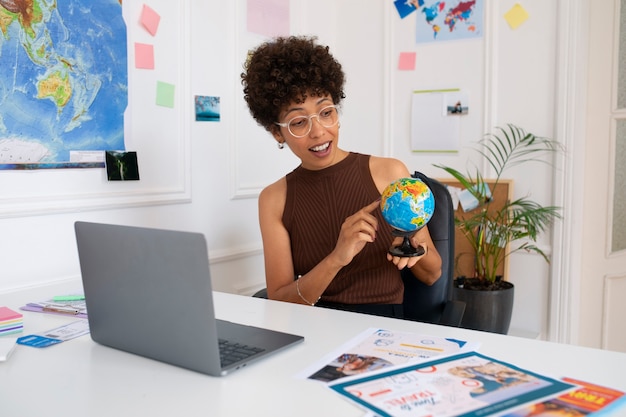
37,341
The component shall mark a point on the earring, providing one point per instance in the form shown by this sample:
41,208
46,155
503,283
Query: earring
281,145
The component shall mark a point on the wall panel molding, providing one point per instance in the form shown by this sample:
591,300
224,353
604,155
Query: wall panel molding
234,253
255,161
613,313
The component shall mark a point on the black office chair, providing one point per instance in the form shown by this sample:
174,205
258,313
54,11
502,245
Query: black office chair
433,304
262,293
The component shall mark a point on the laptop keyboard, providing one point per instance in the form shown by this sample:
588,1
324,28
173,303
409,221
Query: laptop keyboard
234,352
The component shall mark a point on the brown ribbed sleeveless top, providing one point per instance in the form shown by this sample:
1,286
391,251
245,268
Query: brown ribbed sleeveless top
317,204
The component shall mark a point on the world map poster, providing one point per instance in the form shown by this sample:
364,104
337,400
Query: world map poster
63,82
444,20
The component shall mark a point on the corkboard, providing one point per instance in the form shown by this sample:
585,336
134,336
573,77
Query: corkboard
463,253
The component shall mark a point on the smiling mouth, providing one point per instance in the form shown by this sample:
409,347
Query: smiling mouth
320,148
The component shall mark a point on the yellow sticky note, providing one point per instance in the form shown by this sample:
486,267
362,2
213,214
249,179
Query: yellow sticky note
165,94
516,16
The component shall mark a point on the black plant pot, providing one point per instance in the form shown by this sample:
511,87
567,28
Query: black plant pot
486,310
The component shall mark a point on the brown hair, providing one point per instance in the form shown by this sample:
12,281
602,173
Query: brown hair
287,70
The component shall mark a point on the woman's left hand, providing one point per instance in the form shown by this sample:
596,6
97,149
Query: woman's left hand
402,262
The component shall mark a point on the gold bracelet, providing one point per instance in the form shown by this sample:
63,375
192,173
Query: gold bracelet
300,294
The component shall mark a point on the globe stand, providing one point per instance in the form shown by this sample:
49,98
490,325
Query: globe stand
405,249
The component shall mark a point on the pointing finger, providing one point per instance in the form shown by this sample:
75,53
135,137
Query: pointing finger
372,206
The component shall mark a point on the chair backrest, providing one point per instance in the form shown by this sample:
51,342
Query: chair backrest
422,302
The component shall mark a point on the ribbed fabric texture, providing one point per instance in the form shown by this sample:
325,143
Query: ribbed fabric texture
317,204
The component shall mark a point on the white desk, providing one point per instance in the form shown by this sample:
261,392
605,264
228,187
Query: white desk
80,377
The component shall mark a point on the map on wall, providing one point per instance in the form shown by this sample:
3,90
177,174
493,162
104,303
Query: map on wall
444,20
63,82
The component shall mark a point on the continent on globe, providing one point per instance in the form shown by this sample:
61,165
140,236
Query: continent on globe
407,205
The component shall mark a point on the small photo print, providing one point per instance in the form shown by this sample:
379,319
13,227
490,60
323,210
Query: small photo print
207,108
121,166
456,104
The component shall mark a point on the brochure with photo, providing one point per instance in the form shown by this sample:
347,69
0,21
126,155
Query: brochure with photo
467,384
585,399
375,349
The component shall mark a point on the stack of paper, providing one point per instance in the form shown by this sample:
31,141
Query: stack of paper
10,321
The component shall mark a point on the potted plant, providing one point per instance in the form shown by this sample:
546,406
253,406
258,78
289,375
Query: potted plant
494,232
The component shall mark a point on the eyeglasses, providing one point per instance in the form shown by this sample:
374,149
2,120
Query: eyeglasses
300,126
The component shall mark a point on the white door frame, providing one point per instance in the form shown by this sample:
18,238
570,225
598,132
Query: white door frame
570,127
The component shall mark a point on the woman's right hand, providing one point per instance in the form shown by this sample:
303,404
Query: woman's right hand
356,231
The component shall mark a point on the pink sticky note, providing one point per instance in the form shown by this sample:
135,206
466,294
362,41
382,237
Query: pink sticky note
150,19
407,61
268,17
144,56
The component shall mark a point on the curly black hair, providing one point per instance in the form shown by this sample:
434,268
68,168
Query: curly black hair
287,70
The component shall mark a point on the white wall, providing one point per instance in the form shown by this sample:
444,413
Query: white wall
510,78
510,75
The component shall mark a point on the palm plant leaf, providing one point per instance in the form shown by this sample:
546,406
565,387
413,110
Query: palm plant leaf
510,146
491,232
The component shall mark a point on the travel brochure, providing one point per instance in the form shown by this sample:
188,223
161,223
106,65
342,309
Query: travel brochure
468,384
585,399
376,349
398,374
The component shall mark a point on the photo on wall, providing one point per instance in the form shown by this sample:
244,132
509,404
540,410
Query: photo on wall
121,166
207,108
457,103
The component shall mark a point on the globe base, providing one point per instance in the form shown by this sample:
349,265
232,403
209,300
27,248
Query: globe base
406,250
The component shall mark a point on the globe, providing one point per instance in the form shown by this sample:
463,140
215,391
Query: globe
407,205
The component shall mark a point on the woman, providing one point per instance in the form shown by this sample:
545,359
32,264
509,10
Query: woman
325,241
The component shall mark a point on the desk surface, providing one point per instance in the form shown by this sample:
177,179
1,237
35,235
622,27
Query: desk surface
83,378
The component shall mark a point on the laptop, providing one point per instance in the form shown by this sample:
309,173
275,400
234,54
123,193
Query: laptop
148,292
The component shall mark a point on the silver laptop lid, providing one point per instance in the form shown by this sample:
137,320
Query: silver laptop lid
148,292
